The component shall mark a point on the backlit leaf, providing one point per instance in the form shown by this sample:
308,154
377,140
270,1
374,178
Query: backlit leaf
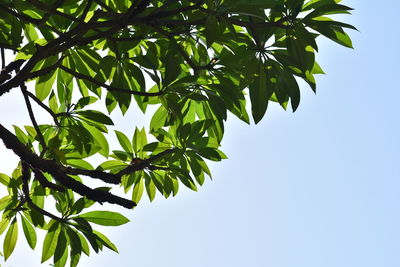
106,218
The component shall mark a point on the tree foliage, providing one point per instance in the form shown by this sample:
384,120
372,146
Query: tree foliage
193,60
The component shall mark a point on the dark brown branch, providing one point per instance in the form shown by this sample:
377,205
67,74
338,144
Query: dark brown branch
45,183
32,117
10,47
140,164
25,189
139,8
93,194
51,167
20,16
42,105
106,86
5,72
104,176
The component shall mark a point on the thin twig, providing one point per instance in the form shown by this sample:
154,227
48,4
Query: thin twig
106,86
33,119
42,105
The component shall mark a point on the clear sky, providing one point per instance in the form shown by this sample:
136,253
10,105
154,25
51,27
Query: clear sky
317,188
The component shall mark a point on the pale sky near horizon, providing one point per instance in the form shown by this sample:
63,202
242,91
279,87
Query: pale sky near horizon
316,188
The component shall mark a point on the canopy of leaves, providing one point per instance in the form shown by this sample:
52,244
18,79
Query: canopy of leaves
194,60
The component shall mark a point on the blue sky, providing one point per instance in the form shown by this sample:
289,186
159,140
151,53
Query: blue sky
315,188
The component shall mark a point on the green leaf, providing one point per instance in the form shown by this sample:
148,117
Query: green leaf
21,135
137,191
318,3
84,101
259,94
210,153
99,140
5,201
326,10
50,240
84,244
53,104
29,232
106,241
185,178
172,66
11,239
96,116
61,252
124,141
211,29
139,140
44,83
150,187
76,246
4,179
78,206
159,118
4,223
106,218
332,30
80,163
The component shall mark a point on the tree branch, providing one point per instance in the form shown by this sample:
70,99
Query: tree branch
41,104
104,176
13,66
32,117
106,86
8,46
116,178
25,189
45,183
51,167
